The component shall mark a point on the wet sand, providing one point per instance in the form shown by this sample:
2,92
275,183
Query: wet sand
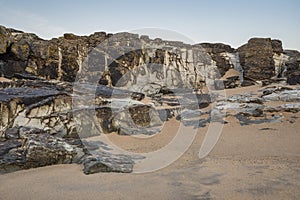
259,161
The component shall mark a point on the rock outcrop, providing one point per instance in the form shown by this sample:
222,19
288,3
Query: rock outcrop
293,67
127,60
256,57
58,92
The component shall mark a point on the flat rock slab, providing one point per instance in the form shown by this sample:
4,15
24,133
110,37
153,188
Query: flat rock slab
106,162
27,95
286,95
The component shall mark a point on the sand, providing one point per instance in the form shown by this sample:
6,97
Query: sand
3,79
248,162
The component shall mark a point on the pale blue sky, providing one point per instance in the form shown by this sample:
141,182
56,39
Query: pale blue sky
229,21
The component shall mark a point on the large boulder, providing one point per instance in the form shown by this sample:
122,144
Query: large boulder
34,147
256,57
293,67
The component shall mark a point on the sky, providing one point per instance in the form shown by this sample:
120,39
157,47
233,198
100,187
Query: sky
231,22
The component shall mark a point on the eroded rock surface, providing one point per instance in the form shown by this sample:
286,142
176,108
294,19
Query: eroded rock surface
127,60
57,92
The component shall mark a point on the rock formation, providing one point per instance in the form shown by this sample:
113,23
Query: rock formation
126,59
57,90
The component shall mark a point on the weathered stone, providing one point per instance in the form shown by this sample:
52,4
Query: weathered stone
293,67
4,39
277,46
35,148
294,108
125,60
248,109
6,146
245,120
57,113
12,133
138,119
217,115
50,107
44,149
188,114
256,57
105,162
241,104
216,51
244,99
286,95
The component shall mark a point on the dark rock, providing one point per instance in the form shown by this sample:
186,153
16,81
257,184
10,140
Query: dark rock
140,115
219,85
245,120
70,36
44,149
274,89
293,67
277,46
126,130
7,145
285,95
244,99
215,51
4,39
106,117
107,163
256,57
294,108
138,119
124,58
167,113
12,133
27,95
230,82
36,148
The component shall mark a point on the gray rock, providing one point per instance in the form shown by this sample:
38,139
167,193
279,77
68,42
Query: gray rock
36,148
249,109
105,162
6,146
125,130
217,116
245,120
138,119
188,114
244,99
12,133
286,95
295,107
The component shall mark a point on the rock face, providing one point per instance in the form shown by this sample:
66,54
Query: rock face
108,163
65,90
293,67
127,60
31,147
256,57
49,107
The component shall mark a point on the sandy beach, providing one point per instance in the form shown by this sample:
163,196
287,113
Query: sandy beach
259,161
157,100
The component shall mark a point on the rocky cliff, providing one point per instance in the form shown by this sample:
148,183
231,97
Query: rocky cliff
127,60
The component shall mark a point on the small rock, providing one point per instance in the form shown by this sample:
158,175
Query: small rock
12,133
105,162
